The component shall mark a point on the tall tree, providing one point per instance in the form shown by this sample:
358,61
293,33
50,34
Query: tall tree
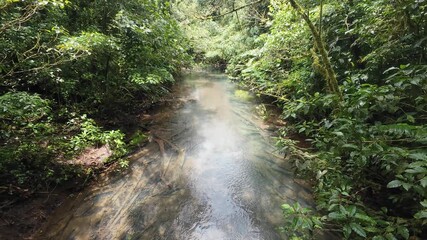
326,70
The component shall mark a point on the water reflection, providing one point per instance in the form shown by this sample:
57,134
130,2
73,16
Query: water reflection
216,179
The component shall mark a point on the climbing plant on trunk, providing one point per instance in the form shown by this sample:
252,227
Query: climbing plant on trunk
326,70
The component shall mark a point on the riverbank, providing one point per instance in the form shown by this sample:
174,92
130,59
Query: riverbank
210,171
21,216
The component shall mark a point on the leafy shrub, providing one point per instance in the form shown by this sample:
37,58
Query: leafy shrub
33,147
63,59
369,163
300,223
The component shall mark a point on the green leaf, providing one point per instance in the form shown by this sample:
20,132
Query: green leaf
416,164
332,206
339,134
343,210
346,231
407,186
410,118
390,236
336,216
364,217
416,170
286,206
352,210
421,214
403,231
371,229
350,146
394,184
418,156
423,182
317,222
358,229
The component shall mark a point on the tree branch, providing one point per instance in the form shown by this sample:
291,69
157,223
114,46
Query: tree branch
30,10
231,11
329,72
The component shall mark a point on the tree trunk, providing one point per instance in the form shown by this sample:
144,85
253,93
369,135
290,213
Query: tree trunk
329,72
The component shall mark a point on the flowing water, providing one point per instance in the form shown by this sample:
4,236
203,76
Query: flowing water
210,172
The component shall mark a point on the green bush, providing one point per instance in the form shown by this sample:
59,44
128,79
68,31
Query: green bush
34,149
369,163
61,60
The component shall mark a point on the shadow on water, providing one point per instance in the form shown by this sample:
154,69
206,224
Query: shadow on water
215,177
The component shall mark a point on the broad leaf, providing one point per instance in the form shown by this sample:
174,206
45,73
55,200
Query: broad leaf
394,184
358,229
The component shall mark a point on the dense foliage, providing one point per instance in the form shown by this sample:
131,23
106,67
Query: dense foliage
350,76
367,129
370,144
62,60
216,32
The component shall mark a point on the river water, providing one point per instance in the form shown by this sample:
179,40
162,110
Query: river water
210,171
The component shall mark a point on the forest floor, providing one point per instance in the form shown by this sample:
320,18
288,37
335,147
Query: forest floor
20,219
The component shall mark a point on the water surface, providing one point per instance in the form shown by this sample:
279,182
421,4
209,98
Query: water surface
210,172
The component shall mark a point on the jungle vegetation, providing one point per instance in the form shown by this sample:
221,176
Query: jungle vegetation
70,72
349,76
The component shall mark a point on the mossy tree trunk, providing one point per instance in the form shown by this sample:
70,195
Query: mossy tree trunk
327,70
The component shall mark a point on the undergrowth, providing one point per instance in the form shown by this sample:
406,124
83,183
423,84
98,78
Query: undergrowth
368,160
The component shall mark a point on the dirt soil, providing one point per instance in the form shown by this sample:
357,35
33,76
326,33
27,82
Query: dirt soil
21,215
93,156
19,220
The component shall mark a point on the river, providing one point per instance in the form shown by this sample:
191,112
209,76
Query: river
210,171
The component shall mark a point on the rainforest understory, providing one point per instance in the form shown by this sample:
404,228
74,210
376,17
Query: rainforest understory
349,78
